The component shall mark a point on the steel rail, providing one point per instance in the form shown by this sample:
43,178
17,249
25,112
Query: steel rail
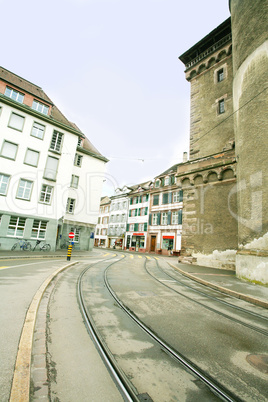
211,383
254,328
118,376
212,297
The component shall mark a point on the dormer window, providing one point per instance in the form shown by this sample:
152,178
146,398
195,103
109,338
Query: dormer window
40,107
167,181
15,95
157,183
79,142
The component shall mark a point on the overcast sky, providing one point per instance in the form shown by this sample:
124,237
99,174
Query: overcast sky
112,67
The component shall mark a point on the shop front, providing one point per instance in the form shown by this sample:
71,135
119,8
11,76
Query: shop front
136,242
167,244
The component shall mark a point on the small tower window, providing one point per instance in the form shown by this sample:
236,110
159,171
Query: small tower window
220,75
221,106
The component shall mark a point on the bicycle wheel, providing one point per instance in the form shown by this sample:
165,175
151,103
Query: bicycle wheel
14,246
46,247
27,246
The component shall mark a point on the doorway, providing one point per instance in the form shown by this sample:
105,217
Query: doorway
153,243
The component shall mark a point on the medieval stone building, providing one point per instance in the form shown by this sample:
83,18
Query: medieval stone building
225,181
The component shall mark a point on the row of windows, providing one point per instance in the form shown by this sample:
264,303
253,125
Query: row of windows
9,150
138,199
118,218
25,187
19,97
137,227
166,218
118,206
17,224
138,212
168,198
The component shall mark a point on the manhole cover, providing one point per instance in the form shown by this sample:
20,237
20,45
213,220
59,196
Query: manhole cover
260,362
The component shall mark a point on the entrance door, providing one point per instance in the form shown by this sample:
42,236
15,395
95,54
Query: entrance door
153,243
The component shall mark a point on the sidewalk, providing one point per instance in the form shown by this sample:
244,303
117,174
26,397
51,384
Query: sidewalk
221,279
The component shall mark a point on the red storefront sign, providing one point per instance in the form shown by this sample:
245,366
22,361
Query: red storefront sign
138,234
168,237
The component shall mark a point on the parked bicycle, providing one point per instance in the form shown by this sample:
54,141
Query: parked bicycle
22,244
65,244
44,247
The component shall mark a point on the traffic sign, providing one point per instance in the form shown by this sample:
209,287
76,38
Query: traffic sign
71,235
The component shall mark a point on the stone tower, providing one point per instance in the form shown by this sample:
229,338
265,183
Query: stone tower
250,103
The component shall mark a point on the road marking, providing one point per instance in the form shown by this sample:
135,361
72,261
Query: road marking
157,258
149,258
131,256
4,267
139,256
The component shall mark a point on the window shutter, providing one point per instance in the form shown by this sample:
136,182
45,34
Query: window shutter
136,227
172,179
139,214
180,217
129,214
162,182
146,210
181,196
169,218
169,198
140,198
131,201
147,197
145,227
158,218
150,219
136,212
127,227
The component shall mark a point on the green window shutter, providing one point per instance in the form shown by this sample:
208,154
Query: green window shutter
172,179
147,197
145,227
127,227
181,196
131,201
136,227
146,210
150,219
140,199
169,198
129,214
136,212
165,198
162,182
169,218
158,218
139,214
180,217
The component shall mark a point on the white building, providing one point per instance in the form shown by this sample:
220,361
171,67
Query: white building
50,174
118,217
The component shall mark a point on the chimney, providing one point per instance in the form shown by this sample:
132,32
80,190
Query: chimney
184,159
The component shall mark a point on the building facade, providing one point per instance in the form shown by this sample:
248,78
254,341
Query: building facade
118,218
250,66
50,174
165,220
209,228
138,217
101,233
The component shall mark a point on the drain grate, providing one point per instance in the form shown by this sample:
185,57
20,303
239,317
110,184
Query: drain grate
145,397
260,362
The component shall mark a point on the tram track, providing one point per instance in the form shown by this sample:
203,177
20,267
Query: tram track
127,390
218,300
